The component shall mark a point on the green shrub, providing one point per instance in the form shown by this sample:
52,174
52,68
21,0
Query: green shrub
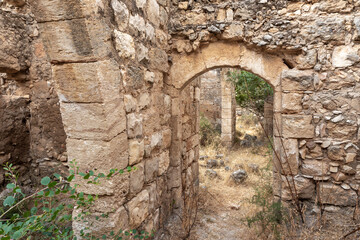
251,91
47,213
208,134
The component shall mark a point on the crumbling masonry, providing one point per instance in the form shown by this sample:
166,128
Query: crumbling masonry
110,83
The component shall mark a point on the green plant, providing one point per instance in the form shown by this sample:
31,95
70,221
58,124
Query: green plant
47,212
271,213
251,91
208,134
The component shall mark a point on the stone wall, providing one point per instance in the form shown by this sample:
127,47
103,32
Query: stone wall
210,97
218,104
121,74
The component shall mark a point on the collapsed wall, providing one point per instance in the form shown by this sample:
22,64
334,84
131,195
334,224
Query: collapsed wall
121,73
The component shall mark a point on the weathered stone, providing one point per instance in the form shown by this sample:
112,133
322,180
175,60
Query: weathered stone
138,208
291,102
152,11
314,168
336,153
239,176
350,157
121,14
298,126
164,162
345,56
210,173
124,45
305,188
299,80
134,125
151,168
130,103
335,195
137,179
136,151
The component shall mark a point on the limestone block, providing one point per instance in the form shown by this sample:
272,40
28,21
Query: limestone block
158,60
137,25
14,43
115,220
153,197
314,168
121,13
164,162
130,103
134,125
136,151
76,40
336,195
153,12
151,168
305,188
336,153
100,155
144,100
291,102
233,32
357,26
174,177
341,131
307,60
93,120
156,140
295,80
350,157
166,138
290,157
55,10
138,208
345,56
297,126
87,82
137,178
125,45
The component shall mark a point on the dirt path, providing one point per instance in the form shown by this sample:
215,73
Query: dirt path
223,204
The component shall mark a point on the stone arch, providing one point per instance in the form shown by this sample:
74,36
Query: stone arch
184,150
225,54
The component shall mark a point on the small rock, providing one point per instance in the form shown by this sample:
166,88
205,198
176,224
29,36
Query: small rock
219,156
227,168
345,186
221,163
211,173
212,163
213,29
337,119
325,144
348,170
250,137
239,176
254,168
203,157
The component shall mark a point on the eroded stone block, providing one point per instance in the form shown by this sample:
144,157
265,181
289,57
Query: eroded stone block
297,126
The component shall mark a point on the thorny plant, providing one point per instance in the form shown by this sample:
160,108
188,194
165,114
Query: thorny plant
47,212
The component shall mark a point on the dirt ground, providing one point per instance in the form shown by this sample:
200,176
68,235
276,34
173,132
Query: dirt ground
223,204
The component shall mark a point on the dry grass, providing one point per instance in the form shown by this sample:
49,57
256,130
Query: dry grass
224,205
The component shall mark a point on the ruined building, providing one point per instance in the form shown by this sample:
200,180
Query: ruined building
110,83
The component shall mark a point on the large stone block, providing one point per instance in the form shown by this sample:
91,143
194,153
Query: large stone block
336,195
295,80
291,102
137,178
98,154
88,82
151,168
94,120
136,151
345,56
305,188
138,208
297,126
76,40
314,167
55,10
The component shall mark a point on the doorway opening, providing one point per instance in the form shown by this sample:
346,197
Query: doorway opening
234,108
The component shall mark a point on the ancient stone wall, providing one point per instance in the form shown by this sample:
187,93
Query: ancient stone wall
309,52
210,97
123,74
